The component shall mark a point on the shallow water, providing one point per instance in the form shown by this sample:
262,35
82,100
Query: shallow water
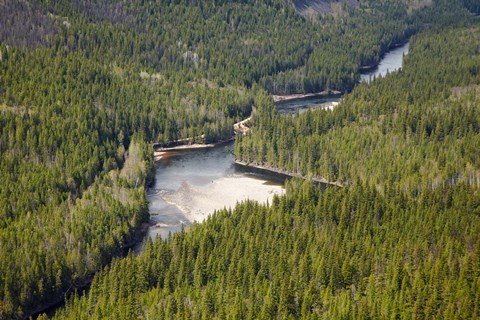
392,61
190,185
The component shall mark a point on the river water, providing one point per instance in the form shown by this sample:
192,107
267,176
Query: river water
392,61
190,185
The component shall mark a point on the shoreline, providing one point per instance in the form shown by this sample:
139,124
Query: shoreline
159,153
372,67
287,174
238,128
299,96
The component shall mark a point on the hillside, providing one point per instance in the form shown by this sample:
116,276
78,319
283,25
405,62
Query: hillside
311,9
408,129
371,249
88,86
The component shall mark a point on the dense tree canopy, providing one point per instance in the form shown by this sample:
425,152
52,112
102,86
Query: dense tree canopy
341,253
87,86
399,240
418,126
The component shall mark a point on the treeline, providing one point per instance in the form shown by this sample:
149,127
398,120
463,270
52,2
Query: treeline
417,127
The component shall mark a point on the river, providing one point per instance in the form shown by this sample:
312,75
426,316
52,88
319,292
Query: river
302,105
190,185
391,61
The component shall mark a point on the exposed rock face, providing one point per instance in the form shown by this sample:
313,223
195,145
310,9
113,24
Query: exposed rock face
312,7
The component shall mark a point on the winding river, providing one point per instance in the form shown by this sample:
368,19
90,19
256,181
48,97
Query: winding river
391,61
190,185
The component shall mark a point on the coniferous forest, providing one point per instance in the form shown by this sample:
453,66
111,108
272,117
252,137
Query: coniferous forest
86,88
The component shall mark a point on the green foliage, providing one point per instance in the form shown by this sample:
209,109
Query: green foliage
417,127
394,243
87,86
338,253
227,42
55,245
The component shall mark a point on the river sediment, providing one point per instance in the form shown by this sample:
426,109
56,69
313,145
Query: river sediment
301,96
160,153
